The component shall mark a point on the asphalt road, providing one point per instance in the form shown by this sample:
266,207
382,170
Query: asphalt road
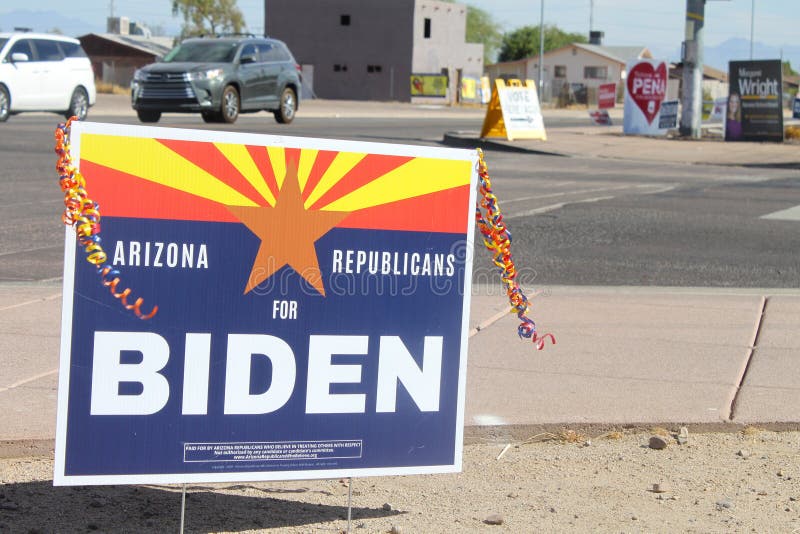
575,221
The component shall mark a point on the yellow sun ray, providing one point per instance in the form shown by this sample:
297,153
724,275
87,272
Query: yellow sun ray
277,158
307,159
339,167
417,177
241,159
150,160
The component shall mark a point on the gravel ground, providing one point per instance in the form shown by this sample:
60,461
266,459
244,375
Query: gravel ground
717,482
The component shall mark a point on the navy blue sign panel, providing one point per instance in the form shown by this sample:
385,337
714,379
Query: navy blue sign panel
755,101
313,306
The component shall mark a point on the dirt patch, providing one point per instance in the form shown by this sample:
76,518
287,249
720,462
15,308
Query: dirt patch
569,482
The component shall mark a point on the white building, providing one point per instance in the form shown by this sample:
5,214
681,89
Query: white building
589,65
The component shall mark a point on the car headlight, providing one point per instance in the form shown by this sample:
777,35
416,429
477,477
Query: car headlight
139,75
205,74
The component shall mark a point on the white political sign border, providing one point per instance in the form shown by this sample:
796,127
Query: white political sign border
71,262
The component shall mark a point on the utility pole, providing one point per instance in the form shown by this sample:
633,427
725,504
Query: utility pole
591,16
541,48
752,25
692,57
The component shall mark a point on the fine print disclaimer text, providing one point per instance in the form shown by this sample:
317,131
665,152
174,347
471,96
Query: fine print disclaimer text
272,450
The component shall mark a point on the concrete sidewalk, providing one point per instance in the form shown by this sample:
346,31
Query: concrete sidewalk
624,356
609,142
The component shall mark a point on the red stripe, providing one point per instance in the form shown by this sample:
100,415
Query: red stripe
368,169
321,164
261,159
445,211
208,157
123,195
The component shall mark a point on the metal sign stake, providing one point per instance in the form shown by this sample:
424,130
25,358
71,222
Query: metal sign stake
349,502
183,506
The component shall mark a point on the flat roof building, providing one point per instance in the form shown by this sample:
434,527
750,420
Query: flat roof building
370,49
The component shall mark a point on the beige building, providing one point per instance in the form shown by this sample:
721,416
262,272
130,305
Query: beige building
582,67
371,49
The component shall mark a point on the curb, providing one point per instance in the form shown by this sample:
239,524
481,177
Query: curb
470,140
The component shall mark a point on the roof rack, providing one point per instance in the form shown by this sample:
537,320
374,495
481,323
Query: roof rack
236,34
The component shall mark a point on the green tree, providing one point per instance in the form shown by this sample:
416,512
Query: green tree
202,17
787,69
524,42
482,28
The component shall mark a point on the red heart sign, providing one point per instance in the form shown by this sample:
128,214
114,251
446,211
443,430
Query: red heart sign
647,86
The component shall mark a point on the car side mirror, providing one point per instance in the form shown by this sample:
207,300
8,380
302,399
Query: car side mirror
247,58
19,56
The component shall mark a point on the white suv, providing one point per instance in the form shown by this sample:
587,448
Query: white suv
41,72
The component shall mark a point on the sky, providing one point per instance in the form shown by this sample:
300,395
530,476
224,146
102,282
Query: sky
657,24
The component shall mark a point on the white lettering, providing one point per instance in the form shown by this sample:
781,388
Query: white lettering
108,372
196,367
337,261
159,248
202,257
133,253
241,350
361,260
397,365
284,309
119,253
172,255
322,372
187,256
127,374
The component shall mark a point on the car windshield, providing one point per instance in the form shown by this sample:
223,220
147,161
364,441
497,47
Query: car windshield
3,41
203,52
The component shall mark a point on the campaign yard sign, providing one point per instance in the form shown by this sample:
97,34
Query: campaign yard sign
606,95
514,112
668,115
645,90
755,101
429,85
313,309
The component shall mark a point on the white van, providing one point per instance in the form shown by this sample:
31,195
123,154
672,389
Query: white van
41,72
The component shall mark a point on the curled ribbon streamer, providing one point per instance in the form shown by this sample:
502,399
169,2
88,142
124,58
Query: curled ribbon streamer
497,240
83,213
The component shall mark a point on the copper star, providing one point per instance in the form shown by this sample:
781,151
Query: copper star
288,232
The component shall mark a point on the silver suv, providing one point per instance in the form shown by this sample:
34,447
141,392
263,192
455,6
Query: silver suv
220,78
42,72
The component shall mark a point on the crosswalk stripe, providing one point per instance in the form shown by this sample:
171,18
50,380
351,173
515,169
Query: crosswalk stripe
791,214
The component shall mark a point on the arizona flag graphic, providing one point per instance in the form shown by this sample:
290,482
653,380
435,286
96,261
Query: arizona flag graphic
313,302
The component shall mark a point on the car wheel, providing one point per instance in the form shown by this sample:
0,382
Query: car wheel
285,113
78,104
148,116
210,116
5,104
229,110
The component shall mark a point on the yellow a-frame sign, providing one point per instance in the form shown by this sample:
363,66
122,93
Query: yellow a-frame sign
514,112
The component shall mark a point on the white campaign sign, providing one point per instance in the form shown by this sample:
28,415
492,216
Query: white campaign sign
521,112
645,90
